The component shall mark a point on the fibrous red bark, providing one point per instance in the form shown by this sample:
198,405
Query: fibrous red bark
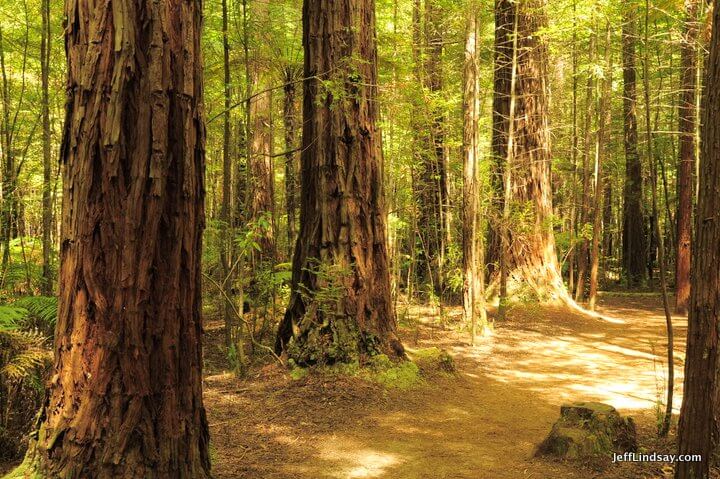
125,399
340,307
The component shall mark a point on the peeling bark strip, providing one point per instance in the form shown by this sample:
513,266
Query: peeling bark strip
125,400
340,308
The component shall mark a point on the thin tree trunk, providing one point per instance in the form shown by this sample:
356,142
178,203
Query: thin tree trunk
125,399
340,307
665,427
686,163
45,48
225,216
634,244
473,291
291,126
697,430
585,204
604,125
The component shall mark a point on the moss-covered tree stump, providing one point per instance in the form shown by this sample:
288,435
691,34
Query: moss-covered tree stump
589,429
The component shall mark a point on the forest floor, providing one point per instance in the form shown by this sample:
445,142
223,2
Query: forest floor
482,423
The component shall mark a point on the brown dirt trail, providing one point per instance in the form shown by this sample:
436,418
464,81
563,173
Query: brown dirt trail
482,424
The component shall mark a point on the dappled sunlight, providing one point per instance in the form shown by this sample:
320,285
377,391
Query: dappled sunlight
561,354
355,460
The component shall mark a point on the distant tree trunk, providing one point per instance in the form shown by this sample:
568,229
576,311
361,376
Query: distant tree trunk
574,150
7,127
532,261
697,430
341,307
604,125
291,75
261,181
504,26
432,184
434,77
686,164
125,399
45,46
473,261
608,246
634,244
583,249
225,206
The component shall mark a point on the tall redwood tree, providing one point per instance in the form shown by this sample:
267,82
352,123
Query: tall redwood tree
340,308
125,398
530,258
697,430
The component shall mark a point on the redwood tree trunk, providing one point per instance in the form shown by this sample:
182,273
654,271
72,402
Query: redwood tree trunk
697,430
504,26
686,165
634,244
340,309
125,400
261,182
532,260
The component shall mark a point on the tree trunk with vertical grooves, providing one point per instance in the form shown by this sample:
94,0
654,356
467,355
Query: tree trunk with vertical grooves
504,26
473,278
45,45
634,244
697,430
125,399
340,308
292,74
261,180
532,261
686,164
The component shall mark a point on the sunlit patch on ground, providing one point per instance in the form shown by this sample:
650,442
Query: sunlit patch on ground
483,423
355,461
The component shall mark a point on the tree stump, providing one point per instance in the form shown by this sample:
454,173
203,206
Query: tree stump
589,429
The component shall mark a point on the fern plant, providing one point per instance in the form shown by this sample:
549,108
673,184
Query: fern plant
24,359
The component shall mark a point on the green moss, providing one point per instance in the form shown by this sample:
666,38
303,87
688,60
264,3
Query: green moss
26,470
298,373
402,375
432,360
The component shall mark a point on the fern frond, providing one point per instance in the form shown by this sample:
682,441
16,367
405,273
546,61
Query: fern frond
44,308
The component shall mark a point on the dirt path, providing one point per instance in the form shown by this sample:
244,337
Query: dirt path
483,424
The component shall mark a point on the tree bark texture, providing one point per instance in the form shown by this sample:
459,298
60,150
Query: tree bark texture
697,430
125,399
340,307
532,260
